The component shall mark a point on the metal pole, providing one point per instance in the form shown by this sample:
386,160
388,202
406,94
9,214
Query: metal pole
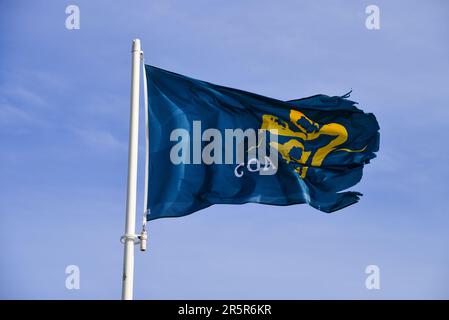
130,226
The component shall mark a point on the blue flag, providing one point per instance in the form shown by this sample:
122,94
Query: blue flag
210,144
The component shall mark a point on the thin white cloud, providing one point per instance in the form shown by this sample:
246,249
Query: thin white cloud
22,94
100,139
11,115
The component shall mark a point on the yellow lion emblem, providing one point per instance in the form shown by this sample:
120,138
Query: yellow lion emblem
307,130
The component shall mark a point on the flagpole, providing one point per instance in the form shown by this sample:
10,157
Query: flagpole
130,238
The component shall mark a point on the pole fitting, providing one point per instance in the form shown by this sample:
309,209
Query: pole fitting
134,237
143,240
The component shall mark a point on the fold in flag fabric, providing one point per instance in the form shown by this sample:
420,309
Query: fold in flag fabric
210,144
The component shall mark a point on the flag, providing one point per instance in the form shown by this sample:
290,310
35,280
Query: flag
210,144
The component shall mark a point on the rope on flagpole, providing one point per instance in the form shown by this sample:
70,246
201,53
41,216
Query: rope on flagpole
144,235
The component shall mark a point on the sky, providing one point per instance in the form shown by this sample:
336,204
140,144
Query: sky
64,117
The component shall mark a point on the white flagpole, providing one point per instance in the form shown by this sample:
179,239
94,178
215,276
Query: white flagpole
130,226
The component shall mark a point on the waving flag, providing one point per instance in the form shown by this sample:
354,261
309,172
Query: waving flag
210,144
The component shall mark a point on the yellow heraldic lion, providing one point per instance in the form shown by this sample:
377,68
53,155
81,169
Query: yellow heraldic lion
308,130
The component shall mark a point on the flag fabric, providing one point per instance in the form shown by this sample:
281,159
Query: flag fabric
210,144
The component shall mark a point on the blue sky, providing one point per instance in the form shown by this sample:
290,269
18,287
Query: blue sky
64,114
